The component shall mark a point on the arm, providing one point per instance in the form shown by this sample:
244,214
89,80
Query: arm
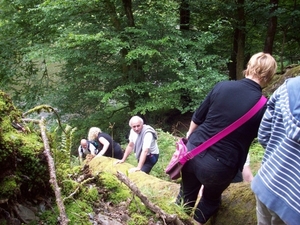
192,127
199,115
80,154
148,138
92,149
105,144
247,173
142,158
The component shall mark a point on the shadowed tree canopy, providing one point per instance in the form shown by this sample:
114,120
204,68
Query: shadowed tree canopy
102,60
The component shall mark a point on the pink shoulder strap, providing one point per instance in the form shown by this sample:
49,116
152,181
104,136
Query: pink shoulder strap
191,154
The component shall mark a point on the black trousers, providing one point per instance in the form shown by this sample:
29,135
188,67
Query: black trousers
151,160
205,170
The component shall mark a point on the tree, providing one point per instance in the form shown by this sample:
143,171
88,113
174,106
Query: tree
271,28
129,58
103,60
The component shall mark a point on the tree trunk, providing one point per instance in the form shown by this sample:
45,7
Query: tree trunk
232,63
240,40
184,15
268,48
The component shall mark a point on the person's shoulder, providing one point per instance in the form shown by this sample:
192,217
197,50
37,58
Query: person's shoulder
224,83
106,136
293,82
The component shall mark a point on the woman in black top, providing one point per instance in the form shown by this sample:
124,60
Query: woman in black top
217,166
107,146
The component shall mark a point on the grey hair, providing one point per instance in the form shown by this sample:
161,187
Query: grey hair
93,133
134,118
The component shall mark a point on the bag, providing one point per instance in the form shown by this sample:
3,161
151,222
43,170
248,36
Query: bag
181,155
175,166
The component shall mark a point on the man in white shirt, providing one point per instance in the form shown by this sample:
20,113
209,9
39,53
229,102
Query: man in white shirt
86,147
143,140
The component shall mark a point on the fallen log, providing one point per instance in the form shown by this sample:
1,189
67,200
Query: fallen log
238,201
154,208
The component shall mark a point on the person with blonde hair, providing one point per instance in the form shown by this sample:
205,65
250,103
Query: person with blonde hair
106,145
216,167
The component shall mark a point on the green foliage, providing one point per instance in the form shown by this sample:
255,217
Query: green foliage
166,144
137,219
77,212
9,187
50,216
151,67
256,152
90,194
117,190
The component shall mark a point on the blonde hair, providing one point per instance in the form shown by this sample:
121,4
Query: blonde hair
262,66
93,133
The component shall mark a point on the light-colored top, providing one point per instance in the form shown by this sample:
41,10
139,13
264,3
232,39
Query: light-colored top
149,142
91,149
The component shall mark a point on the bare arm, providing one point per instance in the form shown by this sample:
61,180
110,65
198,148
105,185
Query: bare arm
142,159
79,154
105,144
192,127
247,174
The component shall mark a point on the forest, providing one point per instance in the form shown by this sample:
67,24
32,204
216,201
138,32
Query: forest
99,62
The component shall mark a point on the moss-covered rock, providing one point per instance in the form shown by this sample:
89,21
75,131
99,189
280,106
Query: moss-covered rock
24,172
278,79
238,201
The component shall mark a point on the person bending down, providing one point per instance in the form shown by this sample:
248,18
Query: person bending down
216,167
85,148
107,146
143,140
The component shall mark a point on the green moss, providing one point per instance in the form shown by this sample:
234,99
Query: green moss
92,194
9,186
50,216
68,186
77,212
238,206
138,219
118,191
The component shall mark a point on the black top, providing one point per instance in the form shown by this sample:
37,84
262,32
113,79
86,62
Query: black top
114,149
226,102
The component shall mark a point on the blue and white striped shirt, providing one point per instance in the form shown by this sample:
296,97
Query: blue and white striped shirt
277,183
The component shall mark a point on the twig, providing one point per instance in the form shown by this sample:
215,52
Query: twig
48,109
154,208
77,188
63,217
72,194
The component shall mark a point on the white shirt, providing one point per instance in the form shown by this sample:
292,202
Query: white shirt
149,141
91,149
